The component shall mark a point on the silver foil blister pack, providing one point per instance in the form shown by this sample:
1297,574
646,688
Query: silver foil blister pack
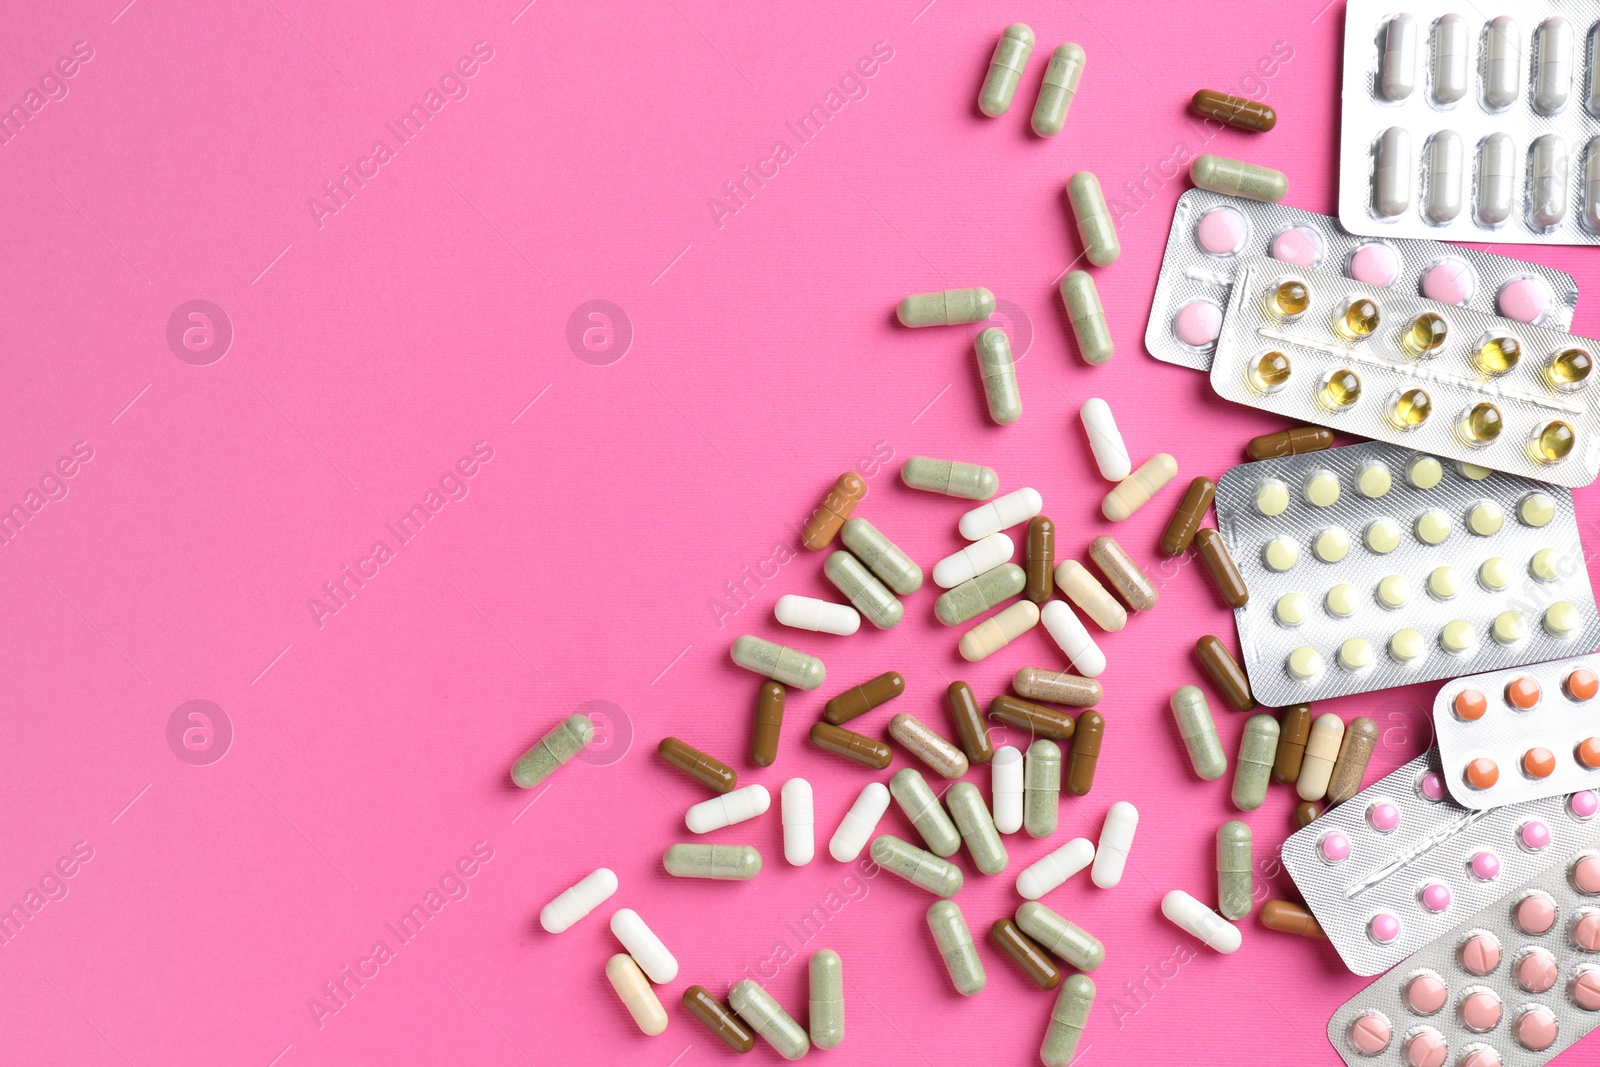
1211,233
1465,123
1513,986
1400,863
1324,349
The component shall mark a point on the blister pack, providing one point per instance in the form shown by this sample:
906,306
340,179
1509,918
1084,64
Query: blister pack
1211,233
1400,863
1522,733
1513,986
1372,566
1321,348
1471,125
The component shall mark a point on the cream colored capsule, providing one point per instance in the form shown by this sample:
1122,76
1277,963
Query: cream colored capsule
1135,491
925,743
999,630
1091,598
1322,751
636,994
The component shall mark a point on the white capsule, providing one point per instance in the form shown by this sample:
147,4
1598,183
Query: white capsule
1001,513
1054,868
998,631
1591,180
818,616
1497,176
1116,838
980,556
1399,67
1005,782
1105,440
573,904
1444,176
1073,639
1502,63
1199,920
1547,182
1552,71
1449,60
799,842
859,822
1393,183
636,994
644,946
743,803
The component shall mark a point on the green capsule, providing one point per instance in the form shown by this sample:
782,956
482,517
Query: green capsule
950,933
977,595
1257,751
1095,228
916,798
1223,175
766,1017
827,999
870,596
570,737
951,307
1056,92
968,481
1235,868
1067,1021
977,828
1005,70
882,556
725,863
1064,939
922,869
778,662
999,376
1088,317
1041,788
1199,733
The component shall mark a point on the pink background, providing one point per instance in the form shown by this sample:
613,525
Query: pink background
369,748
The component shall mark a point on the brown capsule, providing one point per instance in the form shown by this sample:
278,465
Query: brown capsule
1240,112
863,698
823,525
1305,813
867,751
1225,672
1293,730
769,724
1354,751
971,730
707,770
1086,738
1214,553
1290,918
1131,583
928,745
718,1018
1034,961
1036,718
1295,442
1057,687
1186,520
1041,559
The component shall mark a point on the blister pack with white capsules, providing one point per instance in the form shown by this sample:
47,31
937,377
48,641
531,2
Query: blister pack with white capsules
1211,233
1399,864
1513,986
1373,566
1465,123
1324,349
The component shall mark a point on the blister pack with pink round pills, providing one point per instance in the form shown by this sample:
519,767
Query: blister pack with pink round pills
1212,233
1519,734
1400,863
1514,985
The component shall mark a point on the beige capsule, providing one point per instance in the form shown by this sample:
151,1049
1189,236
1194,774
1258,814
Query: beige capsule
1081,587
1354,752
1135,491
928,746
1056,687
999,630
1131,583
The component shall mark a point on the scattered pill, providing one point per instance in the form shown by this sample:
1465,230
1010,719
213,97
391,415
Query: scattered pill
1225,672
1035,718
882,556
999,372
558,746
971,729
868,595
1293,731
1073,639
867,751
728,810
1001,513
1253,771
1057,687
1194,917
976,827
1095,228
766,1017
1041,559
999,630
841,499
1056,91
1116,840
1322,750
769,724
1063,939
954,940
1289,918
636,994
1185,521
916,798
1006,787
949,307
1105,440
778,662
859,823
644,946
1086,740
1041,788
1295,442
1054,868
707,770
799,839
1034,961
973,560
921,868
1306,813
1235,869
577,901
719,1019
1068,1019
1355,751
1135,491
719,862
818,616
1089,596
967,481
1230,176
1237,111
1005,70
925,743
1125,576
1088,317
1199,733
856,702
826,974
1224,572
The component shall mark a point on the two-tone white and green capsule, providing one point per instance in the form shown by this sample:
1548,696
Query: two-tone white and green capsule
1095,228
778,662
977,595
1061,938
882,556
1041,788
766,1017
558,746
960,955
1005,70
1258,750
1235,870
948,307
976,827
827,999
1059,86
861,587
999,376
916,798
918,866
967,481
1087,316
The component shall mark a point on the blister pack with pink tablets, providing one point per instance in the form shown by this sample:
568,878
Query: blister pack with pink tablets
1512,986
1400,863
1519,734
1212,233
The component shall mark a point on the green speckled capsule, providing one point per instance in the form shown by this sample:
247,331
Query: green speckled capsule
977,595
554,748
916,798
949,307
1257,751
827,999
977,827
724,863
1041,788
1005,70
966,481
1222,175
1056,92
999,376
1061,938
882,556
1095,228
1067,1021
1199,733
961,959
921,868
766,1017
870,596
1088,317
1235,865
778,662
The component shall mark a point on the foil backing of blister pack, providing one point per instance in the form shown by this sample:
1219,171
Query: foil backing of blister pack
1432,842
1189,273
1473,119
1524,403
1266,644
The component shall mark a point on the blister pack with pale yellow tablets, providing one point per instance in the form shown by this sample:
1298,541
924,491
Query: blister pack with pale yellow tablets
1321,348
1372,566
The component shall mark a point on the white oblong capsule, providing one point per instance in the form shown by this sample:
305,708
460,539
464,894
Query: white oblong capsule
859,822
969,562
799,840
1450,51
1552,66
1445,165
1392,182
743,803
1398,75
1105,440
1001,513
1502,63
1005,783
636,994
1073,639
1497,178
818,616
1322,751
1591,181
1191,915
647,950
573,904
998,631
1547,181
1054,868
1090,597
1116,840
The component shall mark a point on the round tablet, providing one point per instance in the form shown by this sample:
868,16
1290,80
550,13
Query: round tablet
1373,479
1406,646
1334,847
1382,536
1586,874
1383,928
1450,281
1524,299
1426,993
1272,497
1480,1056
1435,896
1394,591
1370,1032
1444,583
1424,472
1536,509
1495,574
1588,754
1535,913
1481,773
1431,786
1375,264
1484,866
1299,245
1538,763
1469,705
1472,471
1457,637
1585,803
1484,518
1383,816
1560,619
1280,554
1480,1011
1480,954
1586,930
1432,527
1533,835
1535,1028
1198,323
1355,654
1543,565
1585,989
1221,231
1426,1048
1331,545
1341,601
1322,489
1509,628
1304,664
1291,609
1522,693
1581,684
1535,970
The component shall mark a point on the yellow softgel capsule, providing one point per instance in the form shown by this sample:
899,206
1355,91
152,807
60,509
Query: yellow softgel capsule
1536,509
1281,554
1272,497
1382,536
1408,408
1444,583
1560,619
1394,591
1426,335
1291,609
1322,489
1270,373
1495,574
1341,600
1424,472
1485,518
1288,300
1340,389
1331,545
1552,442
1509,628
1480,425
1405,646
1568,369
1358,320
1497,356
1457,637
